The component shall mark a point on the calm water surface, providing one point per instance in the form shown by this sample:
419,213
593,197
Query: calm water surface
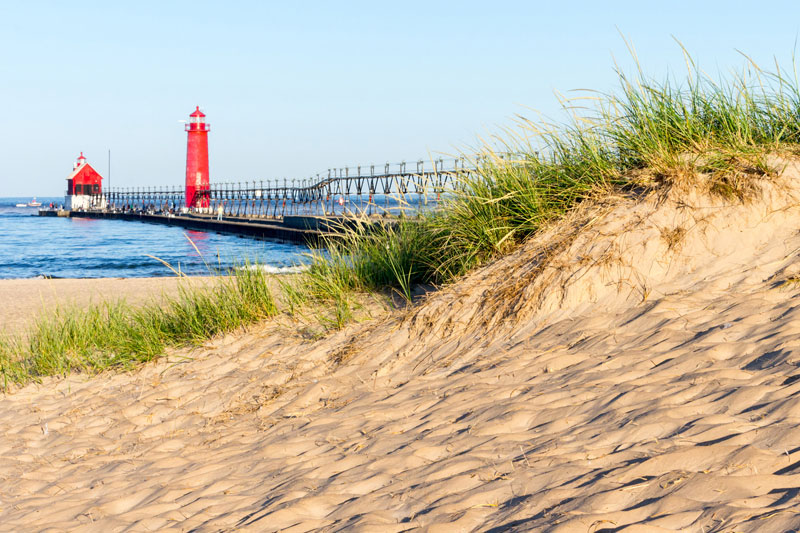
32,246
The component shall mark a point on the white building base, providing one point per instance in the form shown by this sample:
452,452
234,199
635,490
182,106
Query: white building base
84,202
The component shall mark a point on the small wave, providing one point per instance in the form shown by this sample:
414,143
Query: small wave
269,269
18,213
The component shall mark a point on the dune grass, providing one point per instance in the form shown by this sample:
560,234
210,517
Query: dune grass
649,134
370,255
120,336
691,133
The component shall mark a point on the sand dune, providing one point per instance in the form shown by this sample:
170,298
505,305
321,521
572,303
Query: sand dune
633,369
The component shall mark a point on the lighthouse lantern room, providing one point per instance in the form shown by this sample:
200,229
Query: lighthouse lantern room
197,178
84,187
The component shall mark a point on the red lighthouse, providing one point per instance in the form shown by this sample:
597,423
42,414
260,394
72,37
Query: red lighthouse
197,179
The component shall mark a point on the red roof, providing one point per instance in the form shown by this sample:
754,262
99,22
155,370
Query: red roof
85,173
197,113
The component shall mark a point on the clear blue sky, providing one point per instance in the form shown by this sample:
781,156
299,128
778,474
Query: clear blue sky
293,88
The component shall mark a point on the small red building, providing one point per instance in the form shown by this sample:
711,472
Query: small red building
84,186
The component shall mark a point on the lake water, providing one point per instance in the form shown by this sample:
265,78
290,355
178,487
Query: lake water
33,246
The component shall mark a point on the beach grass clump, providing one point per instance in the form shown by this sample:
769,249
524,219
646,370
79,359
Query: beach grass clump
91,339
503,202
371,255
197,315
120,336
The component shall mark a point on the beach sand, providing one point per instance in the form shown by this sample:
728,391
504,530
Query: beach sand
25,299
634,369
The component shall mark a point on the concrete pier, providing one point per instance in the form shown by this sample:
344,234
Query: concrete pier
299,229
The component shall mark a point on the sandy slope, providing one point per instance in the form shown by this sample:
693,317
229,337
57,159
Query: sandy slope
633,381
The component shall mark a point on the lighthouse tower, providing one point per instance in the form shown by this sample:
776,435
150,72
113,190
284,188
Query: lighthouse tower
197,179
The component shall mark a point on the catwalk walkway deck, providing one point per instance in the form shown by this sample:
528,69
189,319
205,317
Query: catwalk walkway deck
305,229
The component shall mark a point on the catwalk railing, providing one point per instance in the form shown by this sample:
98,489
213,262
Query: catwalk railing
403,187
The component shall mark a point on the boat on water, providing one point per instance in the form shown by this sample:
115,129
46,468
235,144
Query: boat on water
32,203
